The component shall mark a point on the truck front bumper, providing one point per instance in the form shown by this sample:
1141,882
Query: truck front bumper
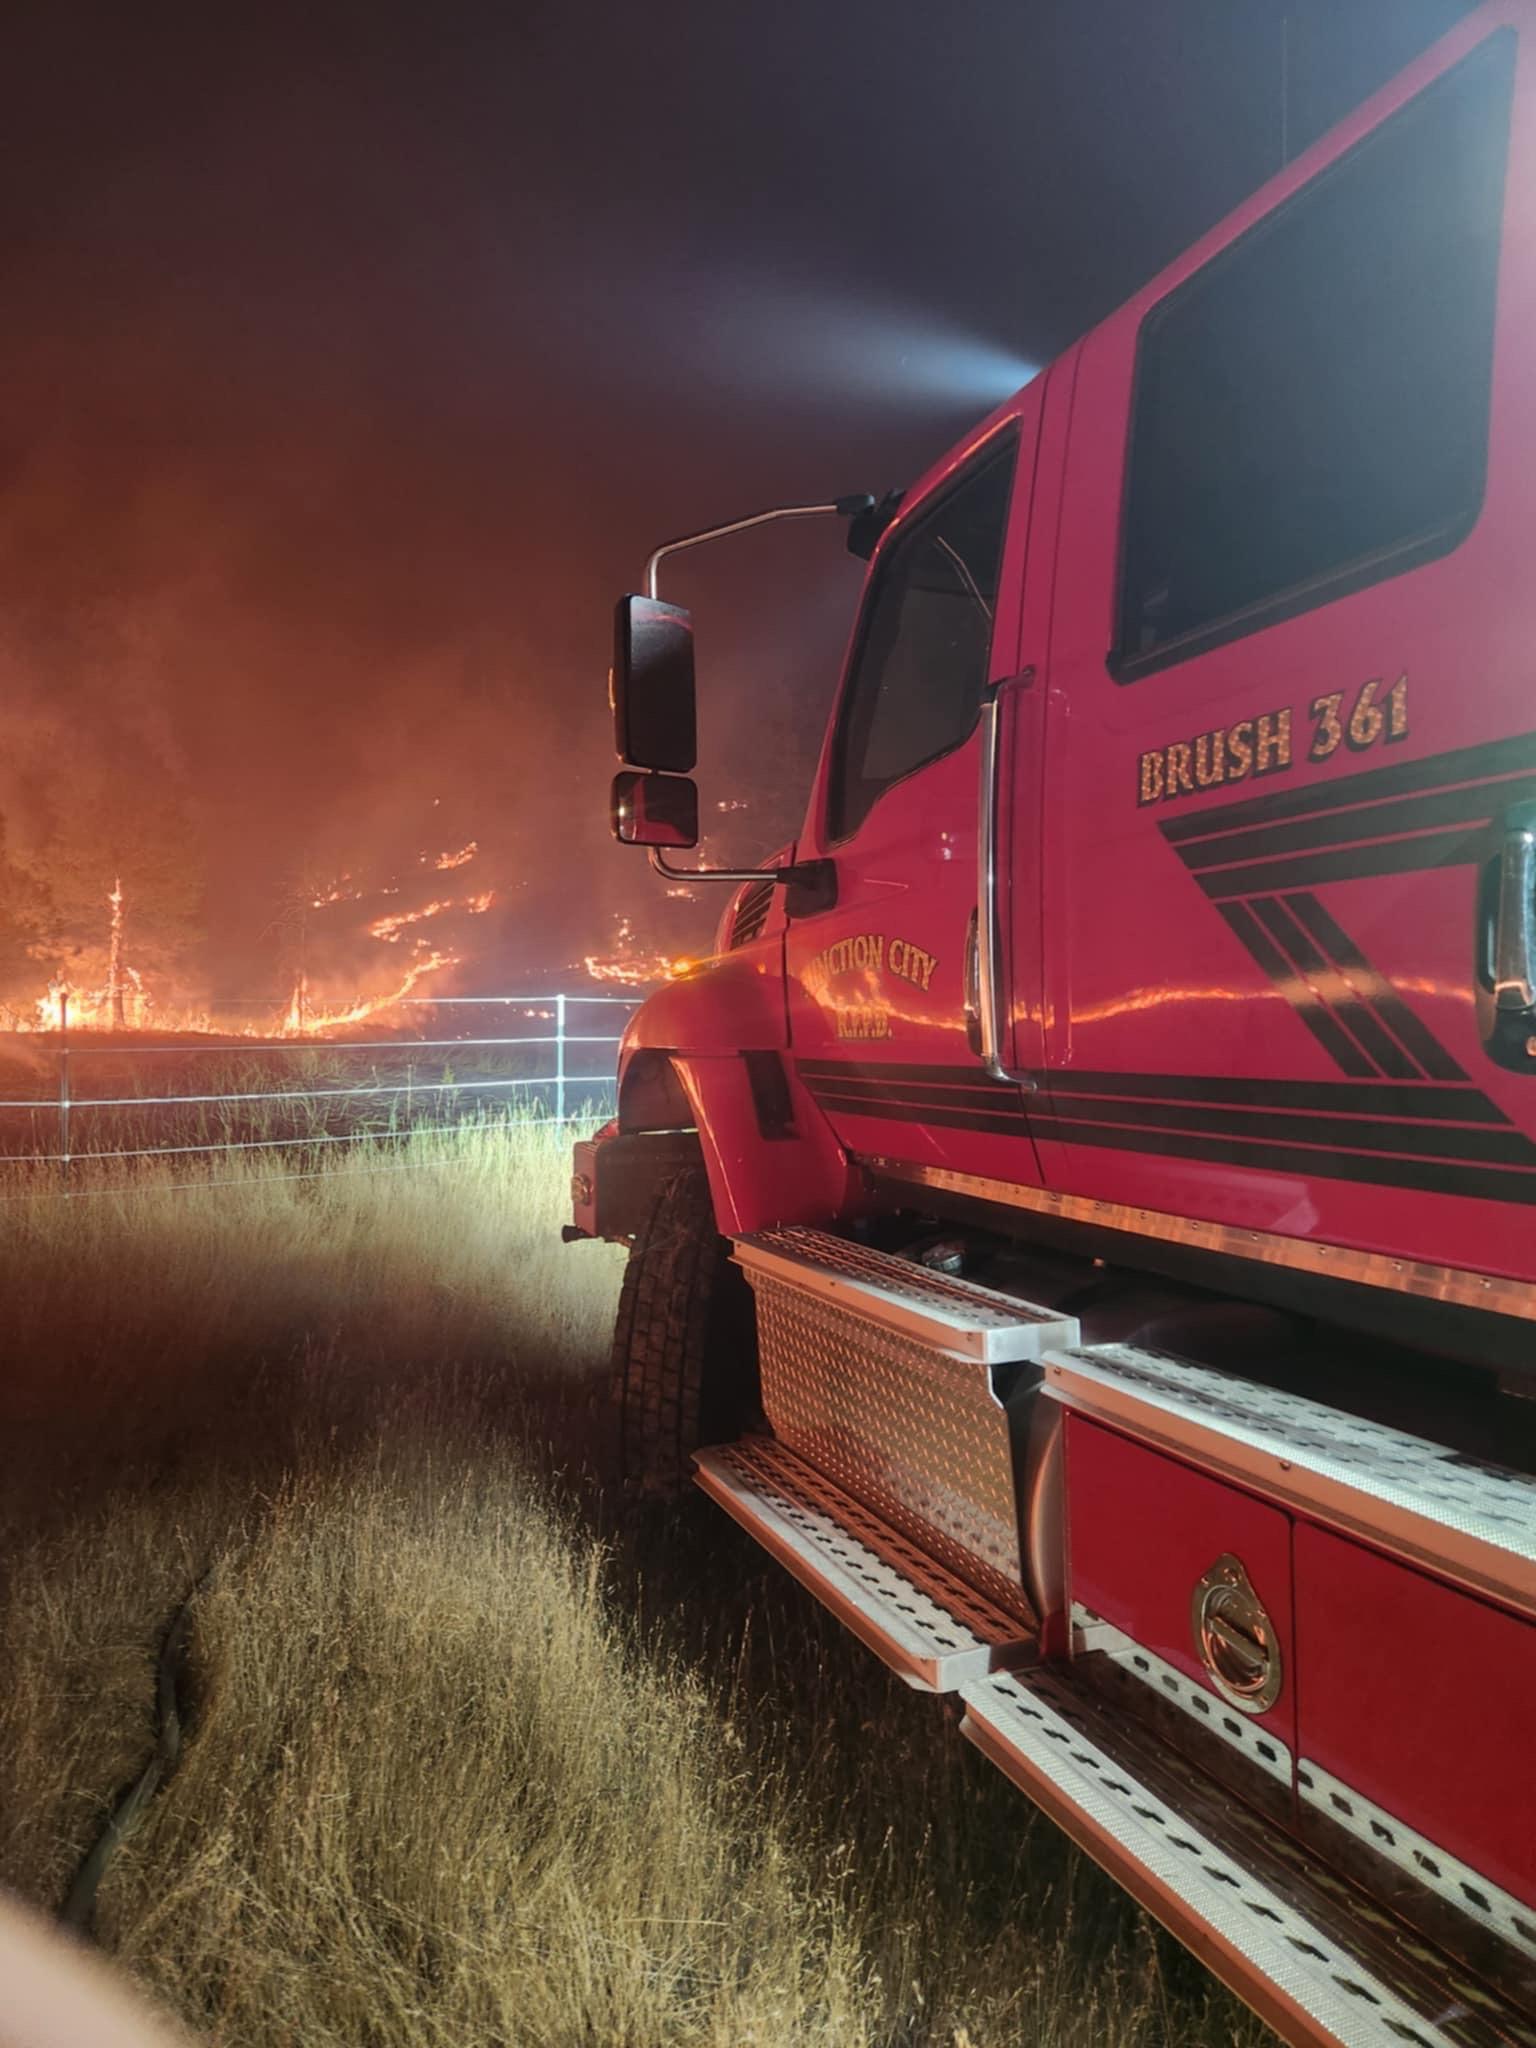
615,1175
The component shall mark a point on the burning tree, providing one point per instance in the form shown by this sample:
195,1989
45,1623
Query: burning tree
26,919
119,867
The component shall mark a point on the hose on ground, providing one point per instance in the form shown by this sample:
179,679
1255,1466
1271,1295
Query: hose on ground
79,1908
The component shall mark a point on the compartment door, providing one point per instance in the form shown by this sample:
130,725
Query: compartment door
1415,1731
1180,1590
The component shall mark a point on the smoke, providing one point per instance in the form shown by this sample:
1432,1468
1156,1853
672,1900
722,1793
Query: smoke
335,406
845,352
766,338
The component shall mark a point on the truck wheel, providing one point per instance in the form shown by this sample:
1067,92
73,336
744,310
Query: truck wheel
684,1345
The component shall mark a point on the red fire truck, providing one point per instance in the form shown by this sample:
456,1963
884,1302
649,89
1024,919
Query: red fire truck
1083,1216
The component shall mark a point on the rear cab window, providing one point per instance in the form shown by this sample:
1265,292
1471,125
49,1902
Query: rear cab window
1310,411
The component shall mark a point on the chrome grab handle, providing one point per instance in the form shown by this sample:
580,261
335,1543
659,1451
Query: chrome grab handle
1514,932
991,995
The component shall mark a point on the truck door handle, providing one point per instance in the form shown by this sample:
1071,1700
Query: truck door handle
971,984
1514,931
1506,941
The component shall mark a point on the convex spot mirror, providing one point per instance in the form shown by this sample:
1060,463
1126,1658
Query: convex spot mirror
654,810
652,686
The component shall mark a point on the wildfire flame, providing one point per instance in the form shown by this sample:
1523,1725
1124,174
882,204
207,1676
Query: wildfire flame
389,928
302,1021
340,891
124,1003
635,970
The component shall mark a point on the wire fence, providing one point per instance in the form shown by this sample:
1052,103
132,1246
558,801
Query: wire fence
100,1101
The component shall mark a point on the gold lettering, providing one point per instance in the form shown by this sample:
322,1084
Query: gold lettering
1328,732
929,963
859,1022
1273,742
1179,783
1210,759
1151,777
1240,750
1397,710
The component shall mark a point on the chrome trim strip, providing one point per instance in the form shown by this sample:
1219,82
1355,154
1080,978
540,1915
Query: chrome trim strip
1330,1261
1456,1883
1471,1523
991,995
1093,1635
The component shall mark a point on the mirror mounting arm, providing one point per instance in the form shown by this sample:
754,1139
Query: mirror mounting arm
663,866
848,508
810,886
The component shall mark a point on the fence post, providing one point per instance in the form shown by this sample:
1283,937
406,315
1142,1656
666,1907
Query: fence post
560,1059
64,1089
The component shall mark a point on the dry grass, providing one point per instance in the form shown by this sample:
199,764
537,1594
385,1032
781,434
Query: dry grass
471,1761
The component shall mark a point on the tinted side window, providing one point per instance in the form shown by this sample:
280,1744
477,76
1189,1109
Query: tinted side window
921,662
1311,409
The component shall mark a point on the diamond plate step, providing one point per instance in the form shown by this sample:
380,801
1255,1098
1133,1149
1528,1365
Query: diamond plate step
1466,1520
927,1625
952,1315
896,1382
1314,1957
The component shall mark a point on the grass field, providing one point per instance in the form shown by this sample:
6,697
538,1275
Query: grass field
472,1758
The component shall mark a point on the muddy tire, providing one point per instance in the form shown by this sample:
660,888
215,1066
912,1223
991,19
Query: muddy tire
684,1344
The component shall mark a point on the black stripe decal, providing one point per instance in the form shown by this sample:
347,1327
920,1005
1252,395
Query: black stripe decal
1344,864
922,1094
1433,1177
1469,808
1454,1176
1384,999
1465,1144
1280,1127
1324,1027
1491,760
948,1118
895,1070
1334,991
1466,1105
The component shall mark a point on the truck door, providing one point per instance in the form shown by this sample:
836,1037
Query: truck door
1290,703
878,983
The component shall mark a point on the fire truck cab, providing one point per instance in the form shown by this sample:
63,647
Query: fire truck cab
1081,1217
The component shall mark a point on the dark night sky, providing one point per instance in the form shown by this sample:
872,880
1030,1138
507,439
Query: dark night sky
353,358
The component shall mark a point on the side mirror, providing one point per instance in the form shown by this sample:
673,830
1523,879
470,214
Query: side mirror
652,686
654,810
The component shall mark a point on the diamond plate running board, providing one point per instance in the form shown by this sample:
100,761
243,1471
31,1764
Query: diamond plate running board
901,1385
914,1302
928,1626
1311,1954
1313,1957
1465,1520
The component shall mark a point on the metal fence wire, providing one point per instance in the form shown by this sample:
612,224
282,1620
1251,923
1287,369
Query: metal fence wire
414,1081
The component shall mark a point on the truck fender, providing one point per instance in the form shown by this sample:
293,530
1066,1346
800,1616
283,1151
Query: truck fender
768,1150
